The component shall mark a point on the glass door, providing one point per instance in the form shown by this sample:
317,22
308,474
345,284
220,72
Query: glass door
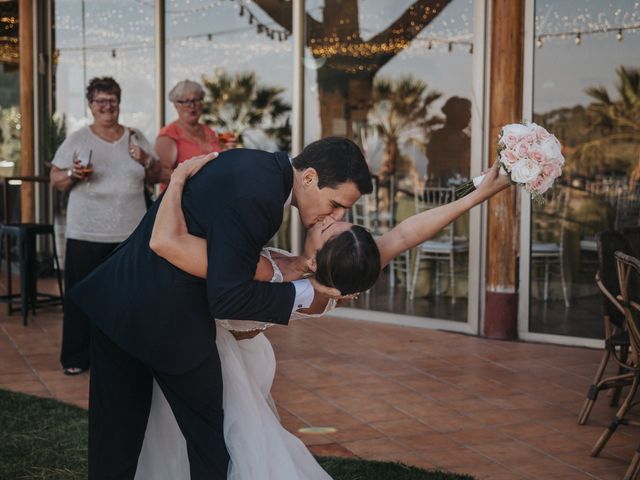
402,81
585,89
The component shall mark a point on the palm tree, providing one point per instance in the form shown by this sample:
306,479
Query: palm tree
238,103
348,73
401,117
618,119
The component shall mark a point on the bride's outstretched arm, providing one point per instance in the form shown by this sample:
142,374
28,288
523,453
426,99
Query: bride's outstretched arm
170,238
416,229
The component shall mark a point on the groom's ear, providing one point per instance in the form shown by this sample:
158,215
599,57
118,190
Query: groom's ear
309,176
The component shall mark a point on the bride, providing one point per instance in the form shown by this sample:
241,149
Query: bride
259,446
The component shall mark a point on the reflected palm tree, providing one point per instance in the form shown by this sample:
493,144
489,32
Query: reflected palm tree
618,119
238,103
401,118
346,63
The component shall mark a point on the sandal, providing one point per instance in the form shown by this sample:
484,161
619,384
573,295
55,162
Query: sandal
73,371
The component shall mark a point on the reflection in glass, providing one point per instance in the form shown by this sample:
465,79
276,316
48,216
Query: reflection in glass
9,93
95,38
231,48
396,78
586,91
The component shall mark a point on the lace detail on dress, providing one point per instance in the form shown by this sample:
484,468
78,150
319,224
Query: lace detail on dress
277,277
249,325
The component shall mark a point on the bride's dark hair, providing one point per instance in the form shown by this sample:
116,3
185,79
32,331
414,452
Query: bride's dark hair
349,261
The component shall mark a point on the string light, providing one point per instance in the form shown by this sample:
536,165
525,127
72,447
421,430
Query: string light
261,27
579,34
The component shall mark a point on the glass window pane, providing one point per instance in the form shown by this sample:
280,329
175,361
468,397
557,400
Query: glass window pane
586,91
9,90
242,55
95,38
397,79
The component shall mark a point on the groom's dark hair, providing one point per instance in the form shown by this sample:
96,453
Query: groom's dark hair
336,160
349,261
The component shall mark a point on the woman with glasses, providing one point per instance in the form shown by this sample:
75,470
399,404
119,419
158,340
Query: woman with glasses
186,137
103,166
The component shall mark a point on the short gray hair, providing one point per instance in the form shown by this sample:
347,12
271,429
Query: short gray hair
183,88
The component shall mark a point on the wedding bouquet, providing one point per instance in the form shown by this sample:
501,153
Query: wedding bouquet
529,154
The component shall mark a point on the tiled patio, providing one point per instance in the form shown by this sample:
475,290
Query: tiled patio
496,410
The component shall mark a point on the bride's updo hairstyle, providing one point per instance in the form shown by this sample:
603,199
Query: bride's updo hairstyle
349,261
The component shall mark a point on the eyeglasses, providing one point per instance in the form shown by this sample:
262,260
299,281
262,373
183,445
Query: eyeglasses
103,102
192,102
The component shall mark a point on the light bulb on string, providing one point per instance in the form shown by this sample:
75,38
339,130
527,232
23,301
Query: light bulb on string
450,47
539,42
429,45
619,35
578,38
471,48
113,53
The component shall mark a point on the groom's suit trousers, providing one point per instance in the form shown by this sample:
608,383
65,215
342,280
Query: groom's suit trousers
120,397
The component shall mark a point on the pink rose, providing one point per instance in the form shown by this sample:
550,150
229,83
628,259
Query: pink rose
541,133
534,184
545,184
551,170
509,140
508,158
530,138
537,155
522,150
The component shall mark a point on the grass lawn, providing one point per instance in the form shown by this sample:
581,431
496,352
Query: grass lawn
45,439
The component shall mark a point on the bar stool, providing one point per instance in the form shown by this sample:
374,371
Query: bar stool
24,236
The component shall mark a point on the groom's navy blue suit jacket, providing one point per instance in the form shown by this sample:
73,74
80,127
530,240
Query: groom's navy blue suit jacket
164,316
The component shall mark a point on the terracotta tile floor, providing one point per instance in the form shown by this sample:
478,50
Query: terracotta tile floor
496,410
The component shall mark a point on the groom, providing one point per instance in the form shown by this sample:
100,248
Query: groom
152,320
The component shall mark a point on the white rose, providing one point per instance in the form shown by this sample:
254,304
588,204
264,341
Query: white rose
516,129
513,133
525,171
551,147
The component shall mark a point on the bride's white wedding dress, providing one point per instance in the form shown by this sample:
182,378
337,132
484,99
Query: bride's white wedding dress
259,446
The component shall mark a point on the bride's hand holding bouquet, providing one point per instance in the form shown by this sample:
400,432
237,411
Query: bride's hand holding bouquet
528,155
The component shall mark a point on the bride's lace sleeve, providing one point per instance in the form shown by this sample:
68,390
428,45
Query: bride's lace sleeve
299,316
248,325
251,326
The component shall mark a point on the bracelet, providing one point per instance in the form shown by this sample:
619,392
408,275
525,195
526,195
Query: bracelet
70,172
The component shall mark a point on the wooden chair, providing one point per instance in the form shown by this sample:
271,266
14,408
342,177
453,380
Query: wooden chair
443,248
628,268
616,339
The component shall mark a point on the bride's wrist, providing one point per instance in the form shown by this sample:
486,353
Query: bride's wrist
177,181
